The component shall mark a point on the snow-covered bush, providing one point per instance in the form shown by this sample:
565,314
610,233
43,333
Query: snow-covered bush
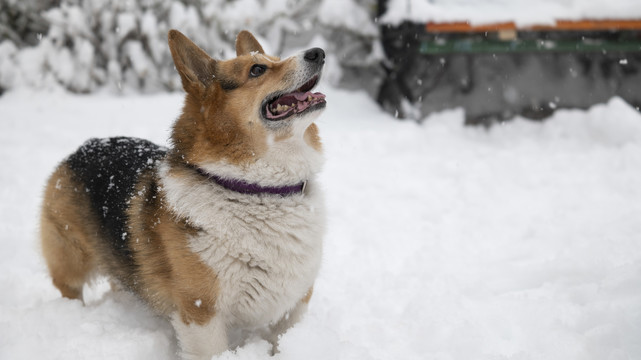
83,45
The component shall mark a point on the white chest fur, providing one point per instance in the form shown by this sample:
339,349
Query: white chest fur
266,257
265,250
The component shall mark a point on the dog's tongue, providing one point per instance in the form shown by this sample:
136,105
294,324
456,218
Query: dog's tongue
293,102
293,98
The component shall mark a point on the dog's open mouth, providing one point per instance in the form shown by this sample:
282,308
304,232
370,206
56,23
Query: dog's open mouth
299,101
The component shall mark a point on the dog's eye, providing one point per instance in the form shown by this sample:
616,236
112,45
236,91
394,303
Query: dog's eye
257,70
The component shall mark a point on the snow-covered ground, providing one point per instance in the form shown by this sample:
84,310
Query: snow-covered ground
445,242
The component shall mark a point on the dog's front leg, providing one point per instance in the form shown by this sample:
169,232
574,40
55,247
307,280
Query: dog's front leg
291,317
200,341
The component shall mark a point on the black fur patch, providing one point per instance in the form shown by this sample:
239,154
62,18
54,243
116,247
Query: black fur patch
109,169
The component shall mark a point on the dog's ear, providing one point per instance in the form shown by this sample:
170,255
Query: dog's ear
195,67
246,43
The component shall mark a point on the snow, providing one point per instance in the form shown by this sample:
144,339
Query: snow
125,24
445,242
346,14
522,12
122,45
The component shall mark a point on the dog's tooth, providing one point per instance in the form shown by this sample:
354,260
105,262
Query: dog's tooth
285,107
309,98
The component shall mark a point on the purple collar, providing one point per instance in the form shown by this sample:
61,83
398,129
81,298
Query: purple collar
244,187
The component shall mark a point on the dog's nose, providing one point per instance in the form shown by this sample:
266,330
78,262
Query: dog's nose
315,55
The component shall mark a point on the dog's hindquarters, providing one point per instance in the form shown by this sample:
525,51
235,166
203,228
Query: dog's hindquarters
83,221
66,231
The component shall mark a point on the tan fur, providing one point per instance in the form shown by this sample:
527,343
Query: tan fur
223,133
246,43
308,296
65,236
173,276
312,138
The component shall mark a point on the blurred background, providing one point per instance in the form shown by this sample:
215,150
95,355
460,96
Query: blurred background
496,59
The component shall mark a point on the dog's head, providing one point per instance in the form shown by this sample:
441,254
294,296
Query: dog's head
248,109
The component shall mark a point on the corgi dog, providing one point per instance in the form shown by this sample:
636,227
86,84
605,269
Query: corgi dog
222,231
